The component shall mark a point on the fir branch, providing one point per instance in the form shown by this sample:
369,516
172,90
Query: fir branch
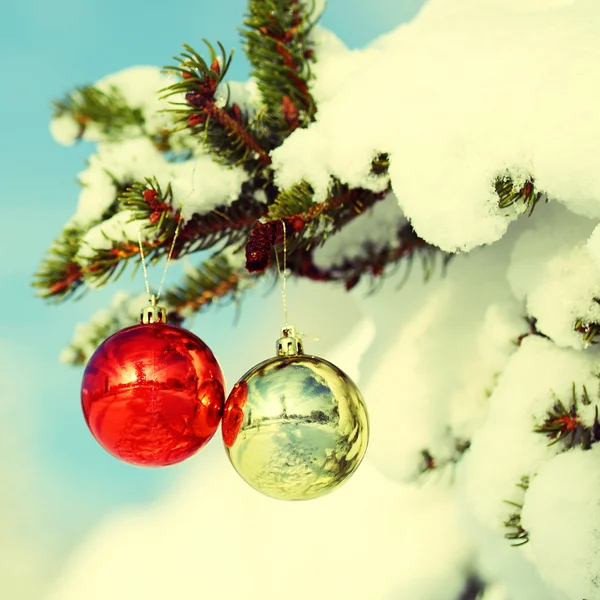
149,202
380,164
315,221
223,130
308,224
589,329
509,194
373,262
430,463
341,206
563,423
228,224
299,199
152,204
516,533
532,330
290,208
211,282
60,277
296,200
107,109
276,34
109,264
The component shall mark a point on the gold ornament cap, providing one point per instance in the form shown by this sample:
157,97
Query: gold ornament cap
153,313
289,344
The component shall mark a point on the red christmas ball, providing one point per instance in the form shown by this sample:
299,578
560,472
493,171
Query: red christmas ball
153,394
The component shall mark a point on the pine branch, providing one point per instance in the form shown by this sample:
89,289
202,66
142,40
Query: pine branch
299,199
589,329
107,109
532,330
516,533
60,277
296,200
380,164
276,34
308,224
109,264
508,194
373,262
430,463
228,225
563,423
224,130
211,282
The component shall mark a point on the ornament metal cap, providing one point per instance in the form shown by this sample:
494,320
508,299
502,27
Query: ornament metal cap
153,313
289,344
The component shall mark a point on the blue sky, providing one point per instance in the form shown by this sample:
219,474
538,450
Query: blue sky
46,49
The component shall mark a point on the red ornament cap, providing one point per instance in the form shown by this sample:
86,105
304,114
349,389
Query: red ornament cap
153,394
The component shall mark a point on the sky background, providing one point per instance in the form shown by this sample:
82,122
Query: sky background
57,480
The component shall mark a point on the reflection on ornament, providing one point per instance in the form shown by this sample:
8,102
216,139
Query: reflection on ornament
153,394
295,427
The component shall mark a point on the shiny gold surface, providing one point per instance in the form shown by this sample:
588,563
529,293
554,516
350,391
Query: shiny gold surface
295,427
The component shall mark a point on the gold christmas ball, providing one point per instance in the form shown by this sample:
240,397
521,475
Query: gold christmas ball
295,427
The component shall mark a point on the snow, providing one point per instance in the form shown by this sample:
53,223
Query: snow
65,130
505,567
593,246
138,85
562,514
243,93
495,593
141,88
121,162
201,184
122,227
552,271
536,376
486,88
97,194
428,388
341,63
566,294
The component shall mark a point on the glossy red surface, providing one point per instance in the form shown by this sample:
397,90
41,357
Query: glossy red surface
153,394
233,415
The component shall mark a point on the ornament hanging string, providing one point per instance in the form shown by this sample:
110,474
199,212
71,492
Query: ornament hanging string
284,284
145,269
283,273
